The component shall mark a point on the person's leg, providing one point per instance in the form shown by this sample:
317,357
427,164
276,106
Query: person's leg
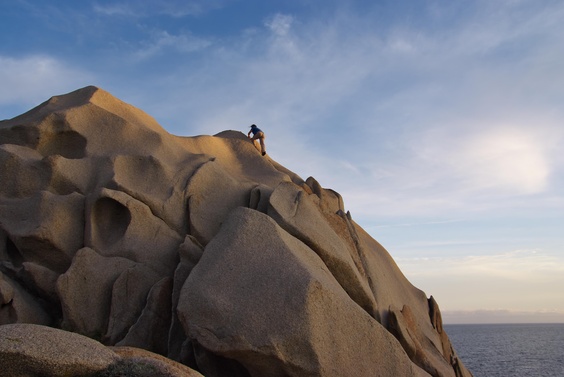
260,136
262,146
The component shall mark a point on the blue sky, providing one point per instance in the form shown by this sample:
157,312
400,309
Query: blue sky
441,123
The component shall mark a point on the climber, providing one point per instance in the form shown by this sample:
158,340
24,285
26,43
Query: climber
258,134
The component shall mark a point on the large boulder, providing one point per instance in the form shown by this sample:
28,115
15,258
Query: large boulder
86,310
32,350
198,249
266,299
299,214
19,306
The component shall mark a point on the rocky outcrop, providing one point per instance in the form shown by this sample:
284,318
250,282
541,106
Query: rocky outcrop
32,350
198,249
35,350
267,301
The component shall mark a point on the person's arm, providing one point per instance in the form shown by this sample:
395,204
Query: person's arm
249,134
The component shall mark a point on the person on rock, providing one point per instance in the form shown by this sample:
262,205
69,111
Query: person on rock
258,134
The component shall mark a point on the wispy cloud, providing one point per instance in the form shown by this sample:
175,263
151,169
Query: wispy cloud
516,280
452,221
280,24
399,119
416,115
162,42
147,8
415,118
115,9
502,316
515,264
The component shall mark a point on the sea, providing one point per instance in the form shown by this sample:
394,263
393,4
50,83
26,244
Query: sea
510,350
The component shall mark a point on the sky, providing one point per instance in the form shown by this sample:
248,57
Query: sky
440,122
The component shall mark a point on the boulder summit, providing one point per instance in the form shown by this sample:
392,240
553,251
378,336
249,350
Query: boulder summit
197,249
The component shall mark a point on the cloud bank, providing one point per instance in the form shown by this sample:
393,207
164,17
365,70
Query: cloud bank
519,280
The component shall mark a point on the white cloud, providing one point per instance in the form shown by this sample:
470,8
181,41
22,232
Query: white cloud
428,120
161,41
286,77
403,122
408,120
457,168
504,160
452,148
147,8
280,24
33,79
398,44
115,9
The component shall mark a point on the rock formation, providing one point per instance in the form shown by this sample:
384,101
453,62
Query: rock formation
198,249
34,350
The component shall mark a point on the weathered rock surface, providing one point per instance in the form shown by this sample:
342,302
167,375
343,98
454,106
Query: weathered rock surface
155,364
260,296
32,350
198,249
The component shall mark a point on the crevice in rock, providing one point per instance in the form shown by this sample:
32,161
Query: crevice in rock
8,313
297,201
315,186
189,252
191,231
14,254
362,258
213,365
334,266
189,227
254,198
258,198
187,356
24,285
187,215
435,315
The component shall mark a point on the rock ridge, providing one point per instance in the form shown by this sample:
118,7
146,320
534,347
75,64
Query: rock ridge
198,249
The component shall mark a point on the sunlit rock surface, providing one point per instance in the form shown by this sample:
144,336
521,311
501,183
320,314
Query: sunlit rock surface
198,249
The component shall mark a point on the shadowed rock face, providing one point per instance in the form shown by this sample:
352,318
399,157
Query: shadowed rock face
198,249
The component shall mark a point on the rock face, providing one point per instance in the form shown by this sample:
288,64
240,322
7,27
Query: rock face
198,249
33,350
40,349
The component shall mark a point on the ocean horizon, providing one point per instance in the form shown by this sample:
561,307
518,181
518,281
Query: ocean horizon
510,349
